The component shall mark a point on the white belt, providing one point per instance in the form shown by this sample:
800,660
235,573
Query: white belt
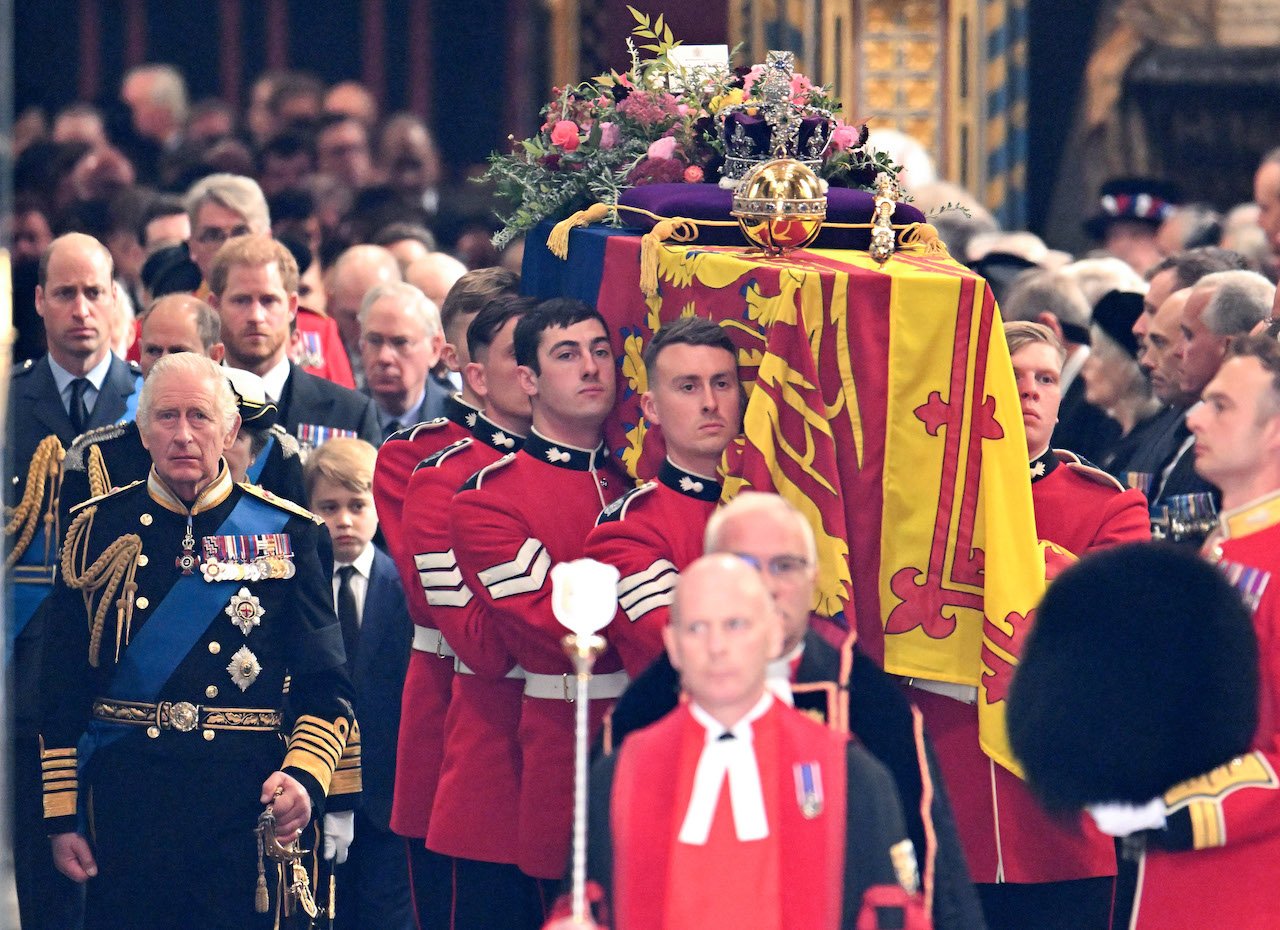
462,668
426,639
965,694
565,687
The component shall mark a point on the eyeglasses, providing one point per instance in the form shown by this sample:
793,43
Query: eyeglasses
215,235
780,566
400,345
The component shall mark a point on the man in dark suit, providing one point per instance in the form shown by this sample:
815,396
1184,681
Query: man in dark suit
373,885
253,285
400,343
844,688
78,385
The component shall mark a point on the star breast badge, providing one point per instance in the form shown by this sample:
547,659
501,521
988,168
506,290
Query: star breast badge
245,610
244,668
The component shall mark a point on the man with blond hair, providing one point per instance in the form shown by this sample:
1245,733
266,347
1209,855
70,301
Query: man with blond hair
253,285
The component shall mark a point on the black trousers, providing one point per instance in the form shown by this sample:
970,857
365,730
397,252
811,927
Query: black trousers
373,884
1083,904
174,842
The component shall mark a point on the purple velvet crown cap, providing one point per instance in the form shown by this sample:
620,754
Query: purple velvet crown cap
711,202
756,128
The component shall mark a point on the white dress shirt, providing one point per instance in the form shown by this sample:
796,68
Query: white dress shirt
359,580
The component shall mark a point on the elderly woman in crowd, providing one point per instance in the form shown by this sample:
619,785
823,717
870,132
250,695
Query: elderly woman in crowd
1113,380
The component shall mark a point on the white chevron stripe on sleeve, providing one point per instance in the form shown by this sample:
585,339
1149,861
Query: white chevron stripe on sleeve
517,566
637,593
441,579
523,584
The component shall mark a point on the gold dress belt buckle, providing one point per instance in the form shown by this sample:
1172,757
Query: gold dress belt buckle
183,716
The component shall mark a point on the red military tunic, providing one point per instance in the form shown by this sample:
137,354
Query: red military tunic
473,807
1228,878
322,353
1007,836
513,521
429,677
398,457
650,536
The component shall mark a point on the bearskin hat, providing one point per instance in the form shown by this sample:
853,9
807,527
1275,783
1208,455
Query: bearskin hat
1141,671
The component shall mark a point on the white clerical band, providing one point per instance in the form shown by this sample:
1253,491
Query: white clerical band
736,759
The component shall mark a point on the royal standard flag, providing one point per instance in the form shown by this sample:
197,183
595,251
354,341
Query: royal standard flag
882,404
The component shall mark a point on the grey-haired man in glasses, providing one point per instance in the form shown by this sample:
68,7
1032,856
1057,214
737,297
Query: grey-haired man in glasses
400,342
841,686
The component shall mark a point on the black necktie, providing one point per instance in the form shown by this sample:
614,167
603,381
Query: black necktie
725,736
347,617
79,412
391,429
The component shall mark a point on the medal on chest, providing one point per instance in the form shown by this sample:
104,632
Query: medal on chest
186,559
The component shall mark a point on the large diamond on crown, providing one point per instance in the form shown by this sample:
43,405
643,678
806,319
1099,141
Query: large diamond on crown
771,125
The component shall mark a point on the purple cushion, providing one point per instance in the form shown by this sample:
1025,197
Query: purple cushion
710,202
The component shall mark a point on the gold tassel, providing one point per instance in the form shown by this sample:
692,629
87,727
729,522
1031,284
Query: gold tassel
678,229
924,237
558,241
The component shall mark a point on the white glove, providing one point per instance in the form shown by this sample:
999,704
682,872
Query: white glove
339,831
1117,819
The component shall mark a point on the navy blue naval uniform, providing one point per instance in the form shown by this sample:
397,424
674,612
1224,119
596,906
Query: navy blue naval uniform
164,702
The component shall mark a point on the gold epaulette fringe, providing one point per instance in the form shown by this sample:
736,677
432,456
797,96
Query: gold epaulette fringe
111,572
44,472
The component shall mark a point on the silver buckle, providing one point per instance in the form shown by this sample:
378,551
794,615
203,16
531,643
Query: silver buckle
184,716
570,694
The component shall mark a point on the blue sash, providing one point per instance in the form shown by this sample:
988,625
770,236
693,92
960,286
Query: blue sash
176,625
30,581
131,402
255,470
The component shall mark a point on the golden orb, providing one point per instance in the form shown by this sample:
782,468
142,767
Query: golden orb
780,205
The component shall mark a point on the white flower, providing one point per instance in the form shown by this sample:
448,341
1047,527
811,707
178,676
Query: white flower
584,595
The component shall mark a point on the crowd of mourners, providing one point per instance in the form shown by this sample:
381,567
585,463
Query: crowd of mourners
303,301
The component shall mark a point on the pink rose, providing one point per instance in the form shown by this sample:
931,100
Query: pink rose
693,175
663,148
844,137
608,135
565,134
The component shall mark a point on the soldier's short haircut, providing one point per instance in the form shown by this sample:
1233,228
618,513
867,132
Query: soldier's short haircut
189,365
252,251
473,290
556,313
496,314
1241,300
1267,353
1021,333
688,331
234,192
345,461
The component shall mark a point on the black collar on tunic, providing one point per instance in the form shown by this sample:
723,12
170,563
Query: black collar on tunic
1044,465
460,412
687,483
563,455
491,434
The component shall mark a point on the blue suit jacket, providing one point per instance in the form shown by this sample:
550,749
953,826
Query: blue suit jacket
386,636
